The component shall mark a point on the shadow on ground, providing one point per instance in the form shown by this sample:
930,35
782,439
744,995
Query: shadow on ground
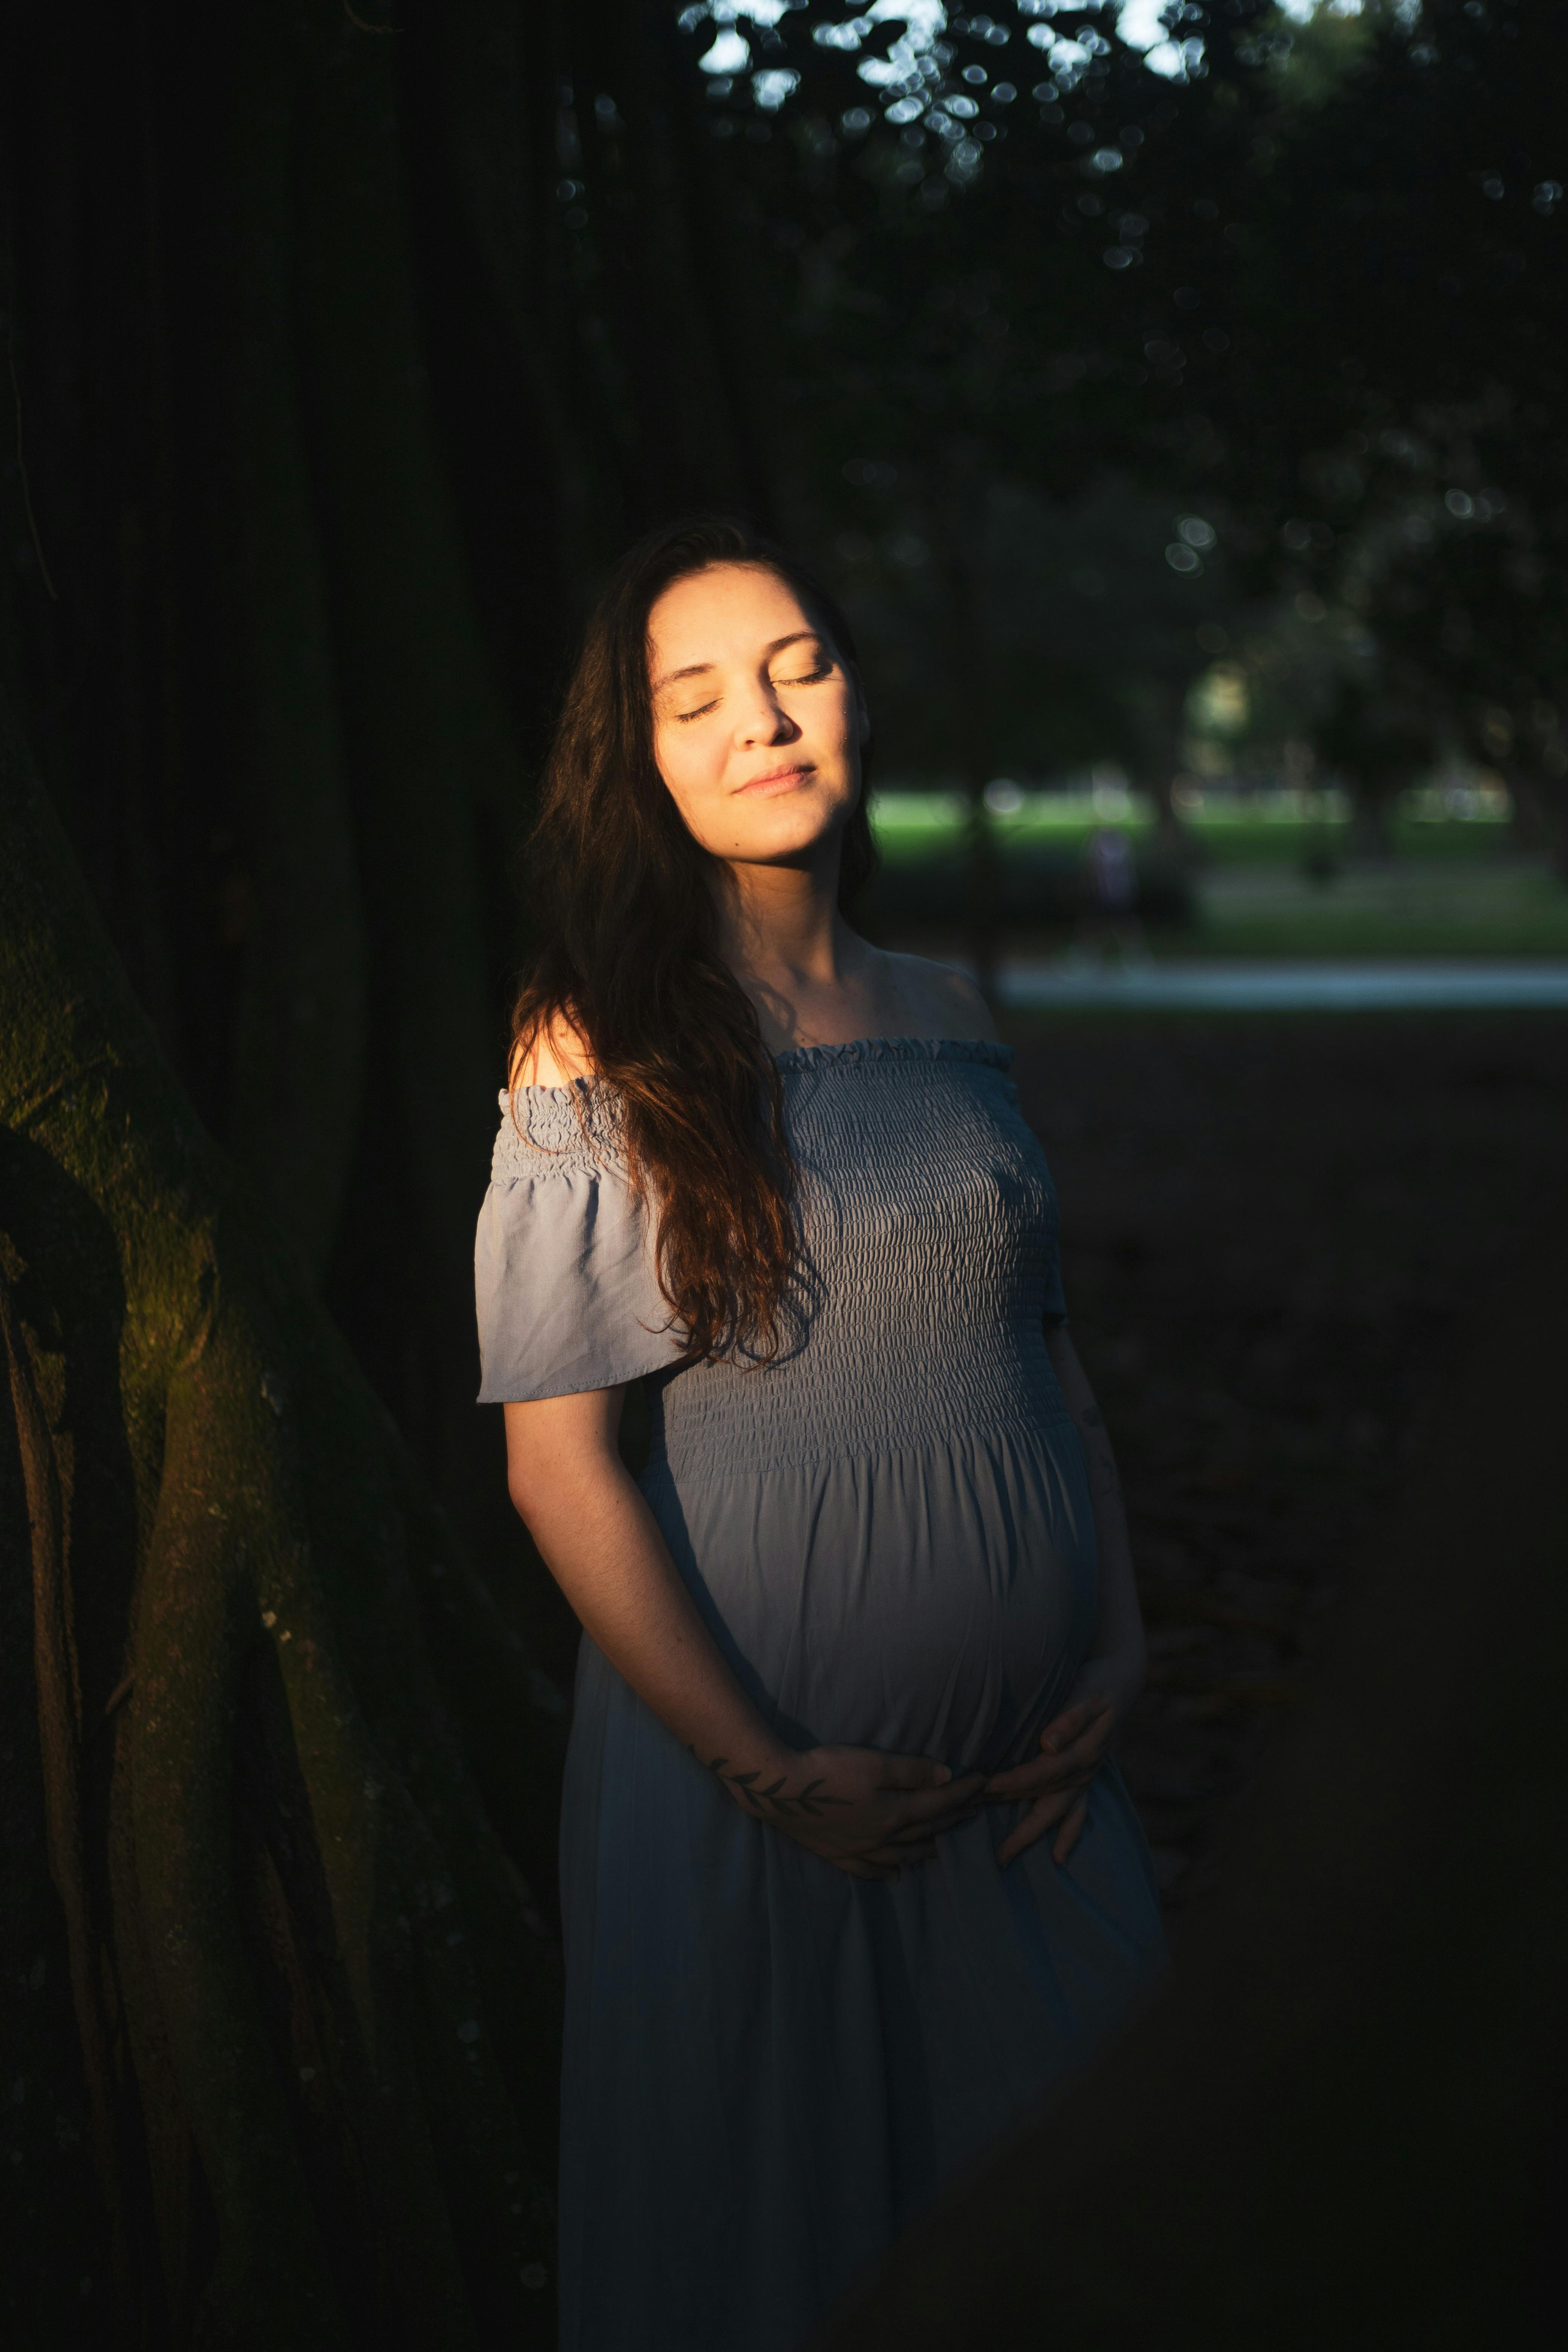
1276,1234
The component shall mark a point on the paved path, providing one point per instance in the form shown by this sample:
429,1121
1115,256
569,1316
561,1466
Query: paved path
1086,985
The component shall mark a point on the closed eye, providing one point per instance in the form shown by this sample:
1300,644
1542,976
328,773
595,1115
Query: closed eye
807,677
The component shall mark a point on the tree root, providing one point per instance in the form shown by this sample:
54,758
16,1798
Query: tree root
59,1684
316,2010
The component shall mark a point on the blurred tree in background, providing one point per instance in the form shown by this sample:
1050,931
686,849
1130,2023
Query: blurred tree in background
1018,272
345,347
1407,261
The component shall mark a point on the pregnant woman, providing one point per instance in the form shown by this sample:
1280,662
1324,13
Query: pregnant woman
848,1878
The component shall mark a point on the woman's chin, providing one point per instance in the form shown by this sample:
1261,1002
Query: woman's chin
785,835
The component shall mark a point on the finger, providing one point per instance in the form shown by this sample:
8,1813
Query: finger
860,1866
956,1821
913,1772
1045,1813
907,1833
1089,1745
929,1805
1071,1829
1069,1725
906,1824
920,1832
1040,1818
1026,1780
1065,1726
1022,1782
1075,1763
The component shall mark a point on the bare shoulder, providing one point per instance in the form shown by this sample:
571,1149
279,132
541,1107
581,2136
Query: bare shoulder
554,1056
942,1001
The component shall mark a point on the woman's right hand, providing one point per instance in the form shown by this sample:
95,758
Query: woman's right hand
866,1814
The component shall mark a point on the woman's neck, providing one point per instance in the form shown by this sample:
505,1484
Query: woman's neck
790,950
783,921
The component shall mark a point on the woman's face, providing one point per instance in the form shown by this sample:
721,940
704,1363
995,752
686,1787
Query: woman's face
757,724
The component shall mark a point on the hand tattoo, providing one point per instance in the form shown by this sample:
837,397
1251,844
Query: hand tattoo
763,1803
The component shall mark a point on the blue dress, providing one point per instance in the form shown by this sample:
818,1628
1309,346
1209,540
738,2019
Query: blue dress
770,2067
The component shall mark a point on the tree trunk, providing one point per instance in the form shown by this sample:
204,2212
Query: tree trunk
312,2016
428,742
263,685
1159,709
1540,810
956,518
299,1048
491,76
667,299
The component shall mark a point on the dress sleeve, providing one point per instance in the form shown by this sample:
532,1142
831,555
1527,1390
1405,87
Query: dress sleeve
565,1280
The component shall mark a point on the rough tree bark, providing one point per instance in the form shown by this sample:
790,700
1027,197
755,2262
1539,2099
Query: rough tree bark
309,2042
263,685
490,78
427,737
299,1043
669,300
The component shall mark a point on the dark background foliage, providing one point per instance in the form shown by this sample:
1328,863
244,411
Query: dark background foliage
344,359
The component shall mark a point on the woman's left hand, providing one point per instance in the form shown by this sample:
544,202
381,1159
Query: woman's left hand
1056,1786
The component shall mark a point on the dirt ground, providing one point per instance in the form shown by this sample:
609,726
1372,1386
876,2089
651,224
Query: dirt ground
1276,1233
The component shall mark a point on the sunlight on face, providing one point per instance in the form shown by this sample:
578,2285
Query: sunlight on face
758,724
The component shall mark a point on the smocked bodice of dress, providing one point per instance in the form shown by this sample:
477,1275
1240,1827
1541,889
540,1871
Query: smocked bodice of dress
926,1266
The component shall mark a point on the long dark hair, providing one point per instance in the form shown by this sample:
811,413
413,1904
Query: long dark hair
631,959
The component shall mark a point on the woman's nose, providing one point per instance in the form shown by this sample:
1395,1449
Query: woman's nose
769,722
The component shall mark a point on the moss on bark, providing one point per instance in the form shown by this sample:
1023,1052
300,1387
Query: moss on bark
315,2013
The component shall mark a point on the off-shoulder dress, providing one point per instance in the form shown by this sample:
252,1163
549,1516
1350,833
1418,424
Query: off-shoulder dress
771,2067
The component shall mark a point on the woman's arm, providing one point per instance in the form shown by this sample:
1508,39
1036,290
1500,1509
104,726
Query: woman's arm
867,1812
1074,1743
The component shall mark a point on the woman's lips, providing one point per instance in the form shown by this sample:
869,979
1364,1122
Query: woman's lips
777,779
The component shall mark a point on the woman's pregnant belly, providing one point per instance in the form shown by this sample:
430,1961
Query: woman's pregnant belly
934,1602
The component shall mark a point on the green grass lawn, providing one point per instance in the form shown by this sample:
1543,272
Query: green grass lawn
916,828
1408,906
1453,886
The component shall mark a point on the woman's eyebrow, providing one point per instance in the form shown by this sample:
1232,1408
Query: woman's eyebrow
701,669
692,669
